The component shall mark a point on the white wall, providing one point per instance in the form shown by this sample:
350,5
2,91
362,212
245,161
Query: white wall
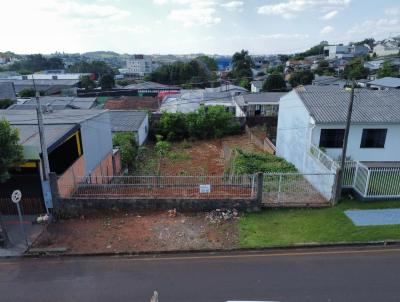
143,131
293,136
96,140
391,151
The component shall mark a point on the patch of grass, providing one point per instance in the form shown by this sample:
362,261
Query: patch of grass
284,227
178,156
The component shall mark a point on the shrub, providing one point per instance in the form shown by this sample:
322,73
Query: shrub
128,147
249,163
206,122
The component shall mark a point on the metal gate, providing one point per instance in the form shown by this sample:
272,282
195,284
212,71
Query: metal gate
295,189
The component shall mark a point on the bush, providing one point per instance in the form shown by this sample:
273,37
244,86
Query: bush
5,103
209,122
128,147
249,163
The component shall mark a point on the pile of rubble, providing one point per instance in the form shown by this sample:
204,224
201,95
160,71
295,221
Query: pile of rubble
219,215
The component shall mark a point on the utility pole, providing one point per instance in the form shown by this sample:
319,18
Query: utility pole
43,145
345,142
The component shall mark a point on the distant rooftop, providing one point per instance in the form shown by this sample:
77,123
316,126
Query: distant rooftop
149,85
7,91
57,103
389,82
132,103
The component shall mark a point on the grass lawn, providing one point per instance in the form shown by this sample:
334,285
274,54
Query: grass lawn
276,227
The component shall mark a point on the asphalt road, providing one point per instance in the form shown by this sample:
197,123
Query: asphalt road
341,275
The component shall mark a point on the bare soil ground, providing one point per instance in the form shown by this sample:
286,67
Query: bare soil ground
139,232
204,157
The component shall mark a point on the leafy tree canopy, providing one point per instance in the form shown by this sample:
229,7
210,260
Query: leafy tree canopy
99,68
87,82
107,81
301,78
241,66
355,69
274,82
11,152
211,63
37,62
387,70
128,146
5,103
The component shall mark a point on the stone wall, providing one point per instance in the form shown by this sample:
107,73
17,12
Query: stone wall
79,206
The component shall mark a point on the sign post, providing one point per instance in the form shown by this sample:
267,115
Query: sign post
16,198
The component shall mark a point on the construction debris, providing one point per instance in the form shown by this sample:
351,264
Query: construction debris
219,215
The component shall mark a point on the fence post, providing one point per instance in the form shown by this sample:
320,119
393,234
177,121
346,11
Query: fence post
279,187
260,185
367,183
55,193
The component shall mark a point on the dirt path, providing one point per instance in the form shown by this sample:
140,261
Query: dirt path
135,232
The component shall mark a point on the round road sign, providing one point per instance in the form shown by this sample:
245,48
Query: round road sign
16,196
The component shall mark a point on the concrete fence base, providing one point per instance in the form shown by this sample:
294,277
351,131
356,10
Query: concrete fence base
78,206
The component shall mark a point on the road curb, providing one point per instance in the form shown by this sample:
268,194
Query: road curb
43,253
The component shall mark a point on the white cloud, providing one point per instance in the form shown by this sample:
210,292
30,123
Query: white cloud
329,15
160,2
233,6
291,8
374,28
284,36
393,11
327,30
196,13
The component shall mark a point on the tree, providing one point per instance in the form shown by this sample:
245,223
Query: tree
241,65
11,152
387,70
276,70
27,93
245,83
123,82
128,146
303,77
5,103
355,69
162,147
87,82
274,82
211,63
107,81
37,62
324,69
98,68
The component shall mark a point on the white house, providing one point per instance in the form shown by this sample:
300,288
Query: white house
316,115
256,86
136,122
386,49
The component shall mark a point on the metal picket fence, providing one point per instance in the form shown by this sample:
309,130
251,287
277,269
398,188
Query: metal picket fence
296,188
372,182
203,186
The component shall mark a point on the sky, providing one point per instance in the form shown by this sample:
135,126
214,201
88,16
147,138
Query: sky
191,26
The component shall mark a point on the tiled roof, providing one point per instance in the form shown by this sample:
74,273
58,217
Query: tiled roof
57,103
370,106
125,120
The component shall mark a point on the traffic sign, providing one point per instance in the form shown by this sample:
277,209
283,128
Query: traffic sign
16,196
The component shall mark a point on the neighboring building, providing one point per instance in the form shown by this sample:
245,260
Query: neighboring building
386,83
256,86
190,100
150,88
139,66
48,86
311,116
7,91
329,81
56,103
259,104
345,51
79,143
133,103
294,65
388,48
227,87
136,122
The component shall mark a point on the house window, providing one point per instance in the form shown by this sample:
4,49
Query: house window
331,138
373,138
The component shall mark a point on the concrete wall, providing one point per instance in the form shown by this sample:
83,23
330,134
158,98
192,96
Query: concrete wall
85,206
96,140
391,151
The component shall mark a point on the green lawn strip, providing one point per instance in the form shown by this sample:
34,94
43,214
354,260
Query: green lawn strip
284,227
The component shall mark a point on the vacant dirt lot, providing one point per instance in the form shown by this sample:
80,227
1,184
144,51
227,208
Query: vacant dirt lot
197,157
139,232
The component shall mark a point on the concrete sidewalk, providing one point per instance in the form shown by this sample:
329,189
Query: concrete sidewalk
17,245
